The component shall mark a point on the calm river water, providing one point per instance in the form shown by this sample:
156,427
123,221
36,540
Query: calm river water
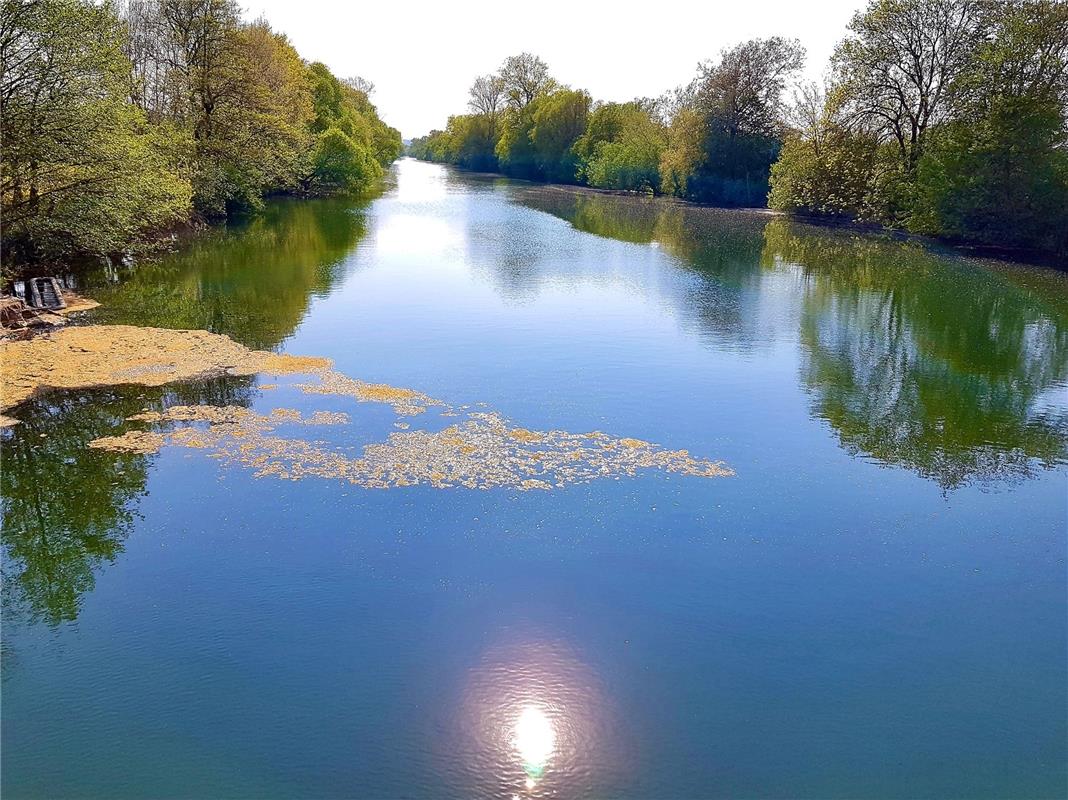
873,605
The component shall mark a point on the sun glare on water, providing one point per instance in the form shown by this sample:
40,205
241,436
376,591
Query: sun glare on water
534,740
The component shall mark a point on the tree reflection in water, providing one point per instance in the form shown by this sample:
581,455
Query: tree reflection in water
942,368
252,282
920,358
67,508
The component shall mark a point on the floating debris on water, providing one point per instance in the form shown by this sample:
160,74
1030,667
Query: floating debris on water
108,355
130,442
328,418
483,452
407,402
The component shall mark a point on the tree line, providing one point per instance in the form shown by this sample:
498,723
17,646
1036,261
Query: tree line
939,117
123,119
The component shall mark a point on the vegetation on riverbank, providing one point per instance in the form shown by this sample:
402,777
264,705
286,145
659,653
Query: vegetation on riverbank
941,117
124,120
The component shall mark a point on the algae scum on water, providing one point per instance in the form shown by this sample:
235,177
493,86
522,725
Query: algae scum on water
483,450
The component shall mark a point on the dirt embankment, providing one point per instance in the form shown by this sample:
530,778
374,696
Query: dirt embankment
108,355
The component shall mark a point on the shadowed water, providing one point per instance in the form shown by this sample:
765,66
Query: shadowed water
873,605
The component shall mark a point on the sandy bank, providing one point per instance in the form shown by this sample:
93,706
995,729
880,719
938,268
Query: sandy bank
109,355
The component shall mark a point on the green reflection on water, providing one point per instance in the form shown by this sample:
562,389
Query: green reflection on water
934,366
952,368
948,368
252,282
67,509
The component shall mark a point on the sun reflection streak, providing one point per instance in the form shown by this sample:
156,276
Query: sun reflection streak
534,740
536,724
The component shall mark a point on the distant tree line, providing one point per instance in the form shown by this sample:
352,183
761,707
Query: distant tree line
941,117
122,119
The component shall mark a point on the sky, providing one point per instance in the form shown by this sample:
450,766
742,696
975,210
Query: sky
423,56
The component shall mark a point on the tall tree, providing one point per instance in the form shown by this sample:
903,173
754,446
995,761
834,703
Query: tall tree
997,172
524,77
487,95
743,92
740,99
898,64
559,120
80,168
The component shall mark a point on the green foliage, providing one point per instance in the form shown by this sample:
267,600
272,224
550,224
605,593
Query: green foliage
683,153
947,119
825,167
740,100
352,144
81,169
559,119
432,147
258,137
1001,180
997,173
342,163
515,150
117,128
621,148
472,141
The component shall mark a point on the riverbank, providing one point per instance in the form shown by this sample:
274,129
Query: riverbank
19,320
1057,261
108,355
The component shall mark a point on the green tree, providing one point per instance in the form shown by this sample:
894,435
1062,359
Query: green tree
471,141
525,81
523,78
258,136
81,169
621,148
515,150
683,152
997,173
352,144
559,119
825,167
739,100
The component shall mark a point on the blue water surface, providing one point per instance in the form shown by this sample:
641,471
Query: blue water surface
874,605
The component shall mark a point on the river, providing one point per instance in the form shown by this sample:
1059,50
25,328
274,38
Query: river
869,601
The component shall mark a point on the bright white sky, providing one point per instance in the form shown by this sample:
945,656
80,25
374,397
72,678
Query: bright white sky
422,56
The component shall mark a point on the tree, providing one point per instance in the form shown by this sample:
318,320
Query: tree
683,153
81,169
524,77
487,95
824,166
341,163
361,85
353,144
559,120
739,99
471,140
997,173
742,93
898,64
621,148
261,128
